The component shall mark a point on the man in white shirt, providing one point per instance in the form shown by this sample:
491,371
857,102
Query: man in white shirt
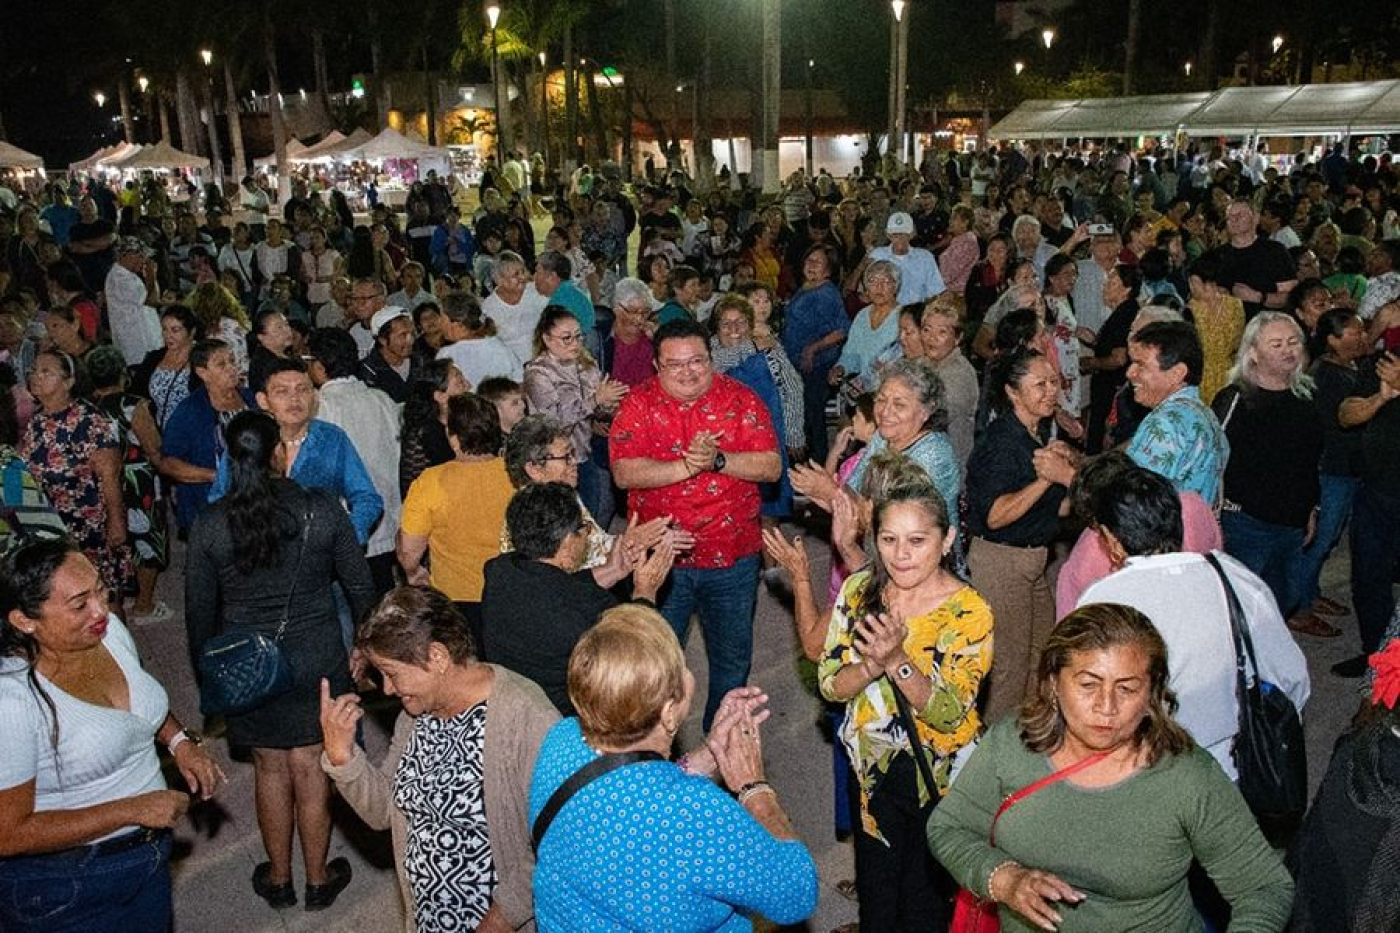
130,282
411,294
514,308
372,421
366,300
919,279
1138,515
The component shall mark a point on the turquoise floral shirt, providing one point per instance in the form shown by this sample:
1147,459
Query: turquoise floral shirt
1182,440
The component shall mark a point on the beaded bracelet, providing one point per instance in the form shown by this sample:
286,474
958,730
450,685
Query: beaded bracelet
991,876
753,789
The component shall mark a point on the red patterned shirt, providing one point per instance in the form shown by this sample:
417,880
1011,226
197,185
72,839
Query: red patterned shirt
721,511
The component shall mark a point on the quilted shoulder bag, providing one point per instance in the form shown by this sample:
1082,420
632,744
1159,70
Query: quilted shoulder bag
240,670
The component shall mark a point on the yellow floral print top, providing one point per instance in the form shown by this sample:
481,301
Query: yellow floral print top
951,645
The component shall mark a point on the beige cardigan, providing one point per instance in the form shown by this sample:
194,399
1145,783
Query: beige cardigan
517,716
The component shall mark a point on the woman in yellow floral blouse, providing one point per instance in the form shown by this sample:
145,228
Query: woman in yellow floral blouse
1219,320
906,628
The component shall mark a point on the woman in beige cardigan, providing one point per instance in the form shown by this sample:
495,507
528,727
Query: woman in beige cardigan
452,787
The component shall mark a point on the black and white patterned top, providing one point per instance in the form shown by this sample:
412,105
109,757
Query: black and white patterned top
447,855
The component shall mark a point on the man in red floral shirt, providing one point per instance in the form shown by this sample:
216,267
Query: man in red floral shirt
694,446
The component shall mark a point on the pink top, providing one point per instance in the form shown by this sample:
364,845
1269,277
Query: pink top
1088,562
631,363
957,261
839,570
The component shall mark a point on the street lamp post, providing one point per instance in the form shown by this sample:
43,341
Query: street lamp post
493,15
544,105
772,91
216,155
899,76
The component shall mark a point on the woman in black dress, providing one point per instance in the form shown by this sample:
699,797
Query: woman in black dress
268,552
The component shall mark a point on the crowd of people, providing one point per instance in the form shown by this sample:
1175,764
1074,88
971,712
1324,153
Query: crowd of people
1056,425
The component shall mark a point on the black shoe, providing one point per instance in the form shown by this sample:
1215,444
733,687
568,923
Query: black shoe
1351,667
277,896
321,896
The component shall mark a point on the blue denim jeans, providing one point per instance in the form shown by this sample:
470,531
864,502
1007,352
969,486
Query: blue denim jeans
1267,549
1375,549
82,892
724,600
1333,514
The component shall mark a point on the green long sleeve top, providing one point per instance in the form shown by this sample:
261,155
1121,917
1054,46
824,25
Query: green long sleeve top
1127,846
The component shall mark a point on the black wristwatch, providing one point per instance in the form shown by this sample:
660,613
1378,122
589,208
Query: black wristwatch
720,461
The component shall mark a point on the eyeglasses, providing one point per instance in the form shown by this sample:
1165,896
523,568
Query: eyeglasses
569,338
675,366
562,458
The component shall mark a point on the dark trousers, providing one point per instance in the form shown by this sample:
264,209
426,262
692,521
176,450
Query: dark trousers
815,389
1375,550
897,883
383,571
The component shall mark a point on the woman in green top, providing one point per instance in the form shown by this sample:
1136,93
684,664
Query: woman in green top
1107,849
906,628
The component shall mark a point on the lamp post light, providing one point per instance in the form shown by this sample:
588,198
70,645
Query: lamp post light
544,105
1047,35
216,155
143,83
899,77
493,16
1019,67
100,98
207,57
1277,43
1188,69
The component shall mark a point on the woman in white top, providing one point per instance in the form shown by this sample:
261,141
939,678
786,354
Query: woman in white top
85,815
471,341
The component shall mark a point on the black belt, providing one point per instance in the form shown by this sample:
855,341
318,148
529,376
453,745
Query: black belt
114,846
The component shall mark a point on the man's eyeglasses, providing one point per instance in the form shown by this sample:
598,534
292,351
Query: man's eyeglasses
675,366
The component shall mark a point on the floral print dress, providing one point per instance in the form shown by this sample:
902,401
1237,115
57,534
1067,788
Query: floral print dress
59,447
951,645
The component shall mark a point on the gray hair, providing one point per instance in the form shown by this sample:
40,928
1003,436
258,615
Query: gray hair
926,385
557,263
1242,373
504,259
882,267
630,290
1155,314
1024,220
528,442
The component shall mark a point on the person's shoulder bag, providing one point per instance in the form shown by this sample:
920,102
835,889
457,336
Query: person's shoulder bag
240,670
577,781
1269,751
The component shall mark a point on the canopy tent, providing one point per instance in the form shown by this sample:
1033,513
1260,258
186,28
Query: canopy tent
160,155
120,152
391,144
1292,110
90,163
314,152
15,157
347,149
295,147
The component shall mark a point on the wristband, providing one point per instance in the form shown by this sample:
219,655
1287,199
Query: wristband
753,789
180,738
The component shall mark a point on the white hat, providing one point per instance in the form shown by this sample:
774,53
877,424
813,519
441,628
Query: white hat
383,316
900,222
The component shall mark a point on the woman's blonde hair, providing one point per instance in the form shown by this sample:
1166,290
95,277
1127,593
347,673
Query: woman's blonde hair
211,302
622,672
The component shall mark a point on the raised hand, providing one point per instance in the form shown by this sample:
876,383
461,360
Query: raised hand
339,718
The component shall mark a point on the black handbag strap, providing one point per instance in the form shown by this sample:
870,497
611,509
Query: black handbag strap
296,573
906,719
577,781
1239,633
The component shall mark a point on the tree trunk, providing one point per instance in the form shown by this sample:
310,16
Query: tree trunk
274,107
702,139
235,123
595,119
186,114
1210,43
164,106
772,92
376,63
3,136
320,76
124,99
429,99
570,158
627,155
1130,58
529,136
892,103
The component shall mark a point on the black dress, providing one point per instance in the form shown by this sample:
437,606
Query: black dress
218,596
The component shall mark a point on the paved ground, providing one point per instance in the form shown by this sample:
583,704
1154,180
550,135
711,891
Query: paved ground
217,855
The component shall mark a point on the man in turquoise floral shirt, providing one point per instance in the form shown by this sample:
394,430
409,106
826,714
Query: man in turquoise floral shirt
1181,438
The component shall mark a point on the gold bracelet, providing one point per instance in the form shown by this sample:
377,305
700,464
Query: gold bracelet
991,876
